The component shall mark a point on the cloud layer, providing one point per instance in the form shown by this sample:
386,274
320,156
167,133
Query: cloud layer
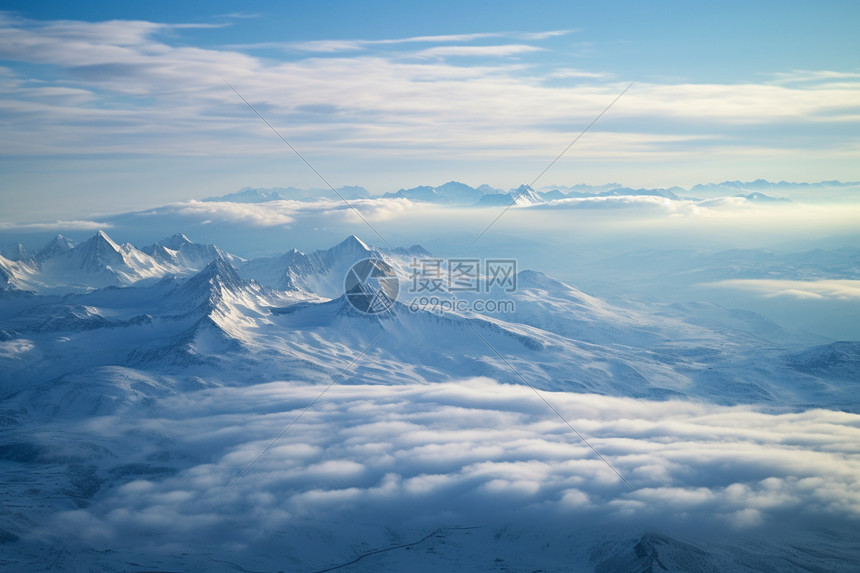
54,226
453,454
813,290
129,87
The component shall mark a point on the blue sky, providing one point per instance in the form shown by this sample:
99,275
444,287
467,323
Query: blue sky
108,107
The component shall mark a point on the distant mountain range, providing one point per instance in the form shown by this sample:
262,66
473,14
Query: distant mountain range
763,184
461,194
260,195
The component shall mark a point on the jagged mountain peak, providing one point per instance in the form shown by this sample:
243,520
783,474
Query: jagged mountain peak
354,242
98,262
211,285
58,244
525,195
186,256
99,244
61,240
349,250
222,271
522,196
101,235
176,241
98,252
320,272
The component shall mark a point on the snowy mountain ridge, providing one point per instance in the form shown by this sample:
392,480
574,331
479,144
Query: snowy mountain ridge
96,263
61,267
457,193
233,311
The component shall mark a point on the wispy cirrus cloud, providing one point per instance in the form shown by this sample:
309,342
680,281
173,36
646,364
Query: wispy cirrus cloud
480,51
548,34
73,225
126,87
815,76
568,73
240,15
346,45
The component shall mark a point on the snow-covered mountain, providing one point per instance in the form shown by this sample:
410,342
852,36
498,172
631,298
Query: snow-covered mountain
95,263
319,273
454,193
55,246
451,193
523,196
63,267
762,185
292,306
258,195
457,193
14,252
178,251
138,420
288,305
7,273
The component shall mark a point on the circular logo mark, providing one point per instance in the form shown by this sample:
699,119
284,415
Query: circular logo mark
371,286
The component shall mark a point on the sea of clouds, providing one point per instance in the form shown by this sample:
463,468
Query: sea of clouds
475,452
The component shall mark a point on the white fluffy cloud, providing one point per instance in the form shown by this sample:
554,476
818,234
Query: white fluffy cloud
276,213
464,453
